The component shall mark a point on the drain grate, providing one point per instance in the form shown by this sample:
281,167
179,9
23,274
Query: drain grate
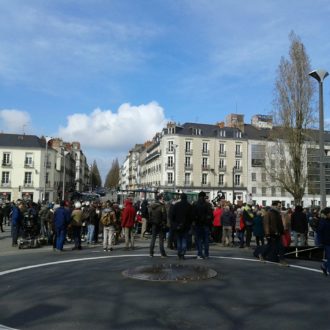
170,272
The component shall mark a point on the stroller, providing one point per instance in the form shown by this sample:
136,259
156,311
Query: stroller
30,232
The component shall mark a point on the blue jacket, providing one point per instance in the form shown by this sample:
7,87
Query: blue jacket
324,231
16,216
61,218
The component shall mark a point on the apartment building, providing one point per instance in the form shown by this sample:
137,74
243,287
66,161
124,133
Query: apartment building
36,169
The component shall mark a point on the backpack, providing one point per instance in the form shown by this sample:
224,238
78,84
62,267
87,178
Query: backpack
108,219
85,214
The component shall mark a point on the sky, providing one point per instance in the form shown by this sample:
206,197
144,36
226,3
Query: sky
111,73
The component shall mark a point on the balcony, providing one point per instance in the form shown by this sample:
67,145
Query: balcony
206,167
222,184
222,153
5,184
188,167
238,169
28,164
188,184
207,184
28,184
169,166
48,164
205,152
169,183
238,154
222,168
188,151
6,164
170,150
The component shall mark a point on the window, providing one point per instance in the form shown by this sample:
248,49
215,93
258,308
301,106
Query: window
204,178
222,133
27,177
263,191
257,155
187,162
222,150
29,159
263,177
238,150
254,190
238,134
188,145
221,179
273,189
170,161
254,176
221,163
204,163
196,131
170,177
283,192
170,146
5,177
187,178
205,147
47,177
6,158
272,163
237,179
237,164
264,203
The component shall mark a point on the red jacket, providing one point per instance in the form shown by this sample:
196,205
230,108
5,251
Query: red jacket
217,217
128,215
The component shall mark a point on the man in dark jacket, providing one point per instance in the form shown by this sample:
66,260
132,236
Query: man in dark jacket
203,218
16,221
273,228
180,222
299,226
158,220
61,222
324,238
145,216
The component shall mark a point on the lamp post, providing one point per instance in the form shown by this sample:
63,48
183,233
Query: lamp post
47,138
64,173
320,75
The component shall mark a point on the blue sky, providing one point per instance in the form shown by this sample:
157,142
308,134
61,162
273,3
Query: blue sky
110,73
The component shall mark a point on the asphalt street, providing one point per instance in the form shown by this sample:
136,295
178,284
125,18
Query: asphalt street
42,289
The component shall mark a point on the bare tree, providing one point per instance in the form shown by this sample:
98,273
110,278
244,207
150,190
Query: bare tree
286,161
112,178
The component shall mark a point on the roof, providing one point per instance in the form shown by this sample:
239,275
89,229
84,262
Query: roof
21,141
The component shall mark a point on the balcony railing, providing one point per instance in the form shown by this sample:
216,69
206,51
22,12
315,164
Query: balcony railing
28,184
188,151
238,169
28,164
222,168
169,183
222,184
205,152
205,167
170,150
169,166
5,184
207,184
188,167
188,184
238,154
6,164
222,153
48,164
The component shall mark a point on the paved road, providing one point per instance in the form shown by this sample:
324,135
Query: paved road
41,289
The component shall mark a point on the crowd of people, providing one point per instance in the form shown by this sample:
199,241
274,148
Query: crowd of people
181,224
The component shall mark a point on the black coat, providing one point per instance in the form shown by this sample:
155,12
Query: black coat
181,216
299,222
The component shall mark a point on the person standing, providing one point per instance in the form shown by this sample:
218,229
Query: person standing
180,222
158,220
217,229
108,221
127,223
323,231
16,221
228,221
203,218
76,224
299,226
145,216
61,222
273,229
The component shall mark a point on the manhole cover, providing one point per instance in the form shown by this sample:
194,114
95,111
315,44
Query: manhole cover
170,272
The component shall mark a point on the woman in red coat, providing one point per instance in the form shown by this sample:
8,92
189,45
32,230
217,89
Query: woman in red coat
217,226
127,223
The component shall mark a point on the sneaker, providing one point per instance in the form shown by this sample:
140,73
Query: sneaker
151,255
199,258
324,270
261,258
105,250
111,249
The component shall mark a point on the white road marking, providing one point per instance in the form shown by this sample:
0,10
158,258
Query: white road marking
15,270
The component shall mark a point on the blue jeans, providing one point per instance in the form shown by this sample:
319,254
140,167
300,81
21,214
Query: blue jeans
202,240
157,231
181,242
90,233
15,231
60,238
76,233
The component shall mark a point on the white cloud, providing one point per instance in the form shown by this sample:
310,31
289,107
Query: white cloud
14,121
116,131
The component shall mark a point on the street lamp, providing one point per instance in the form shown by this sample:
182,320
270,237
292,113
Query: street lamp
320,75
64,174
47,138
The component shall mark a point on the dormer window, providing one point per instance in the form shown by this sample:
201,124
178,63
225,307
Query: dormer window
222,133
196,131
238,134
